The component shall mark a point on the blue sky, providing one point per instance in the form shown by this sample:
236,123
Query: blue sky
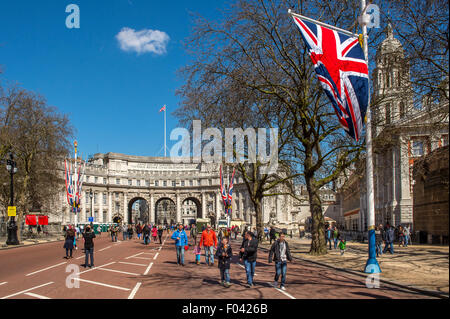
111,95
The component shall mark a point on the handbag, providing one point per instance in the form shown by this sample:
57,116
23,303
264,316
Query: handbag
186,247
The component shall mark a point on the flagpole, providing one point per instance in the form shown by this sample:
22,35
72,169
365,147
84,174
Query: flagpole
165,147
74,210
372,265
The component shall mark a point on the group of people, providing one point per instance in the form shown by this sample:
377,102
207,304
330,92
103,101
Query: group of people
387,234
279,252
332,234
71,234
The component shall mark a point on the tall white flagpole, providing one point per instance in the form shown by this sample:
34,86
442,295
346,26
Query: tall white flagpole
165,147
372,265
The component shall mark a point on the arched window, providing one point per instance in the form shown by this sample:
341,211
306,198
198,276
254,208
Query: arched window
402,109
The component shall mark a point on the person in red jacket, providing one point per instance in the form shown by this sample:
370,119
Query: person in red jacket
209,240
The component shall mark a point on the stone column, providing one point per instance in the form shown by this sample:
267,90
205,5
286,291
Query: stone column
218,204
125,207
110,207
178,208
151,209
83,218
203,205
100,207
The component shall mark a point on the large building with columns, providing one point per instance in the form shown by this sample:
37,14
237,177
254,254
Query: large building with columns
173,192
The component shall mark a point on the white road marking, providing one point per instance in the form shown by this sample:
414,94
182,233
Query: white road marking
147,253
122,272
284,292
155,256
123,262
134,255
105,248
102,284
46,268
135,289
23,291
148,269
2,283
36,295
160,248
141,258
242,266
95,268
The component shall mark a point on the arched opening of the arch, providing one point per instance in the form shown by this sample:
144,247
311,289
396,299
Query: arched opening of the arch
138,211
191,209
165,212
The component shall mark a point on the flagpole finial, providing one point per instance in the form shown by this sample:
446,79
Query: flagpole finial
289,11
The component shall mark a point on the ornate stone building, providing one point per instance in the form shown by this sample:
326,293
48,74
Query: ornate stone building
403,132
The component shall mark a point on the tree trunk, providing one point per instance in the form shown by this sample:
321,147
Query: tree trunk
259,218
318,243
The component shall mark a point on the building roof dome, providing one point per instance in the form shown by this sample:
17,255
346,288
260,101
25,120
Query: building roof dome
390,44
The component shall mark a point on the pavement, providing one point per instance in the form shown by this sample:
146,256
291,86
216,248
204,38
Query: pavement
131,270
27,242
422,267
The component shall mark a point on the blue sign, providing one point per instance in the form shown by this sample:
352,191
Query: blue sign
91,219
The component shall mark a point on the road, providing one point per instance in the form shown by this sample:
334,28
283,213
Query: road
131,270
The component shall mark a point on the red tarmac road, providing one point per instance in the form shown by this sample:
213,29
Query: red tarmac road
129,269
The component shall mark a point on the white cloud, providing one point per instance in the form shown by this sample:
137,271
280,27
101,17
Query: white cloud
143,41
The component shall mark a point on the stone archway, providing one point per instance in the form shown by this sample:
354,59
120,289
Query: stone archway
191,209
165,211
139,214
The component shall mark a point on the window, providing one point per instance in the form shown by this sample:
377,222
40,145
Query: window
147,183
191,182
117,195
417,148
95,198
444,140
138,183
164,183
402,109
130,182
87,179
87,198
104,180
117,207
156,183
182,183
174,184
96,179
105,216
104,199
118,181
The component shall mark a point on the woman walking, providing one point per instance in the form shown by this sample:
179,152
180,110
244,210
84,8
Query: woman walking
69,239
154,233
88,236
224,254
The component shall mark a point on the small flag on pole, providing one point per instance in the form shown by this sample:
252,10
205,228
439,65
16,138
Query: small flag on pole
163,108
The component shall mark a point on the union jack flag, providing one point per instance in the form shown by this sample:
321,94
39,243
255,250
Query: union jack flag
342,71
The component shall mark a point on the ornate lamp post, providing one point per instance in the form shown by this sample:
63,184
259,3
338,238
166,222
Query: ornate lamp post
12,227
91,196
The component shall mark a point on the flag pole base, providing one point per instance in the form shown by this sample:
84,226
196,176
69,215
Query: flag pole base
372,266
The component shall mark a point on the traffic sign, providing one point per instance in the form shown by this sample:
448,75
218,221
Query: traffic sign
12,211
91,219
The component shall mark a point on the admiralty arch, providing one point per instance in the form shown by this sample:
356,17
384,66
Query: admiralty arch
173,192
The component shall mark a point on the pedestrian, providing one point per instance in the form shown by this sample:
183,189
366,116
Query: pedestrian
113,230
124,231
198,253
342,245
280,253
236,231
248,254
160,233
88,236
224,254
266,233
406,234
39,229
193,233
68,243
328,235
146,234
209,241
272,235
219,236
335,237
181,242
130,232
379,240
77,230
138,231
154,233
388,239
401,236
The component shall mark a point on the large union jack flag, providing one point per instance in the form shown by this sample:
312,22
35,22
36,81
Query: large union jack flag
342,71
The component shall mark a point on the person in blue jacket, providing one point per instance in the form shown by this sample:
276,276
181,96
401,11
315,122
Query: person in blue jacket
181,240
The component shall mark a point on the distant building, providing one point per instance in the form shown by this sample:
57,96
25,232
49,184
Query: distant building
431,193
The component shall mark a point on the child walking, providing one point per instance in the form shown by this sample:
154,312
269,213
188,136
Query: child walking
197,252
342,245
223,255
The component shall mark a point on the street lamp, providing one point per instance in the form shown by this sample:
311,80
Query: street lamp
12,227
91,195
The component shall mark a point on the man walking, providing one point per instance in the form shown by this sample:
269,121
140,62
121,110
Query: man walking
209,241
88,236
389,239
328,236
280,254
406,234
114,230
181,240
146,234
160,233
248,253
272,234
